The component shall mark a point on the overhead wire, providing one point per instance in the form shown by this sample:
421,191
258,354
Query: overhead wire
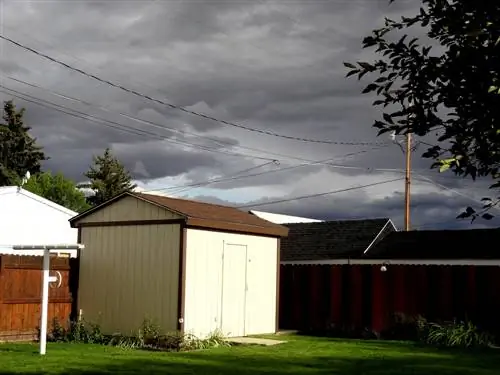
444,187
323,162
177,107
117,125
213,180
151,123
449,221
357,187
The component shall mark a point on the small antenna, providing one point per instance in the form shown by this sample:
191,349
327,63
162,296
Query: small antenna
25,178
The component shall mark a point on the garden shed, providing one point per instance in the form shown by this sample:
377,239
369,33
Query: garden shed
189,266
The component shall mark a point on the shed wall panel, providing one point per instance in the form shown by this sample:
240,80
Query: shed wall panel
204,281
129,273
129,208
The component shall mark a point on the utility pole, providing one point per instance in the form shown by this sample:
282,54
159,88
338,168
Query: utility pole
408,181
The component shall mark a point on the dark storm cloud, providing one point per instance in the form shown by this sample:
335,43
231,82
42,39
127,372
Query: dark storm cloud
273,65
429,211
9,67
145,161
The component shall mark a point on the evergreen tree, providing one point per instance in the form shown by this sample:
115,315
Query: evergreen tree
108,178
19,152
59,189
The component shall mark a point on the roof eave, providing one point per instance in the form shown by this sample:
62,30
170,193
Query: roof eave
273,231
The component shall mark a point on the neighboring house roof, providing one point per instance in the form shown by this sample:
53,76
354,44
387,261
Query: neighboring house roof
203,215
29,219
282,219
5,190
438,244
332,239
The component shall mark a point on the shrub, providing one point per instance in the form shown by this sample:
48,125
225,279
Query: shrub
149,336
405,327
214,340
77,331
457,334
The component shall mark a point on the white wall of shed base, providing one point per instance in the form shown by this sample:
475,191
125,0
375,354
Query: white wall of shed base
207,307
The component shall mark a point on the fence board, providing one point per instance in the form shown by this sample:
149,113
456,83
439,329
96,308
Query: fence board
20,295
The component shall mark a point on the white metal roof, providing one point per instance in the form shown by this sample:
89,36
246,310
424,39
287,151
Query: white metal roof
26,218
282,219
5,191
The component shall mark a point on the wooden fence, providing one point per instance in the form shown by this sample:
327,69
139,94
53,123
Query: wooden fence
20,294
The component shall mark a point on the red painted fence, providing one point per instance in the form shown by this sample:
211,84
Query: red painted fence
320,297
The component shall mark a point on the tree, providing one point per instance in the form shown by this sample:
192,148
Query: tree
449,86
19,152
108,178
59,189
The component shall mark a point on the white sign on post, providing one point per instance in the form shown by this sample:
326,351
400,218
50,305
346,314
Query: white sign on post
46,280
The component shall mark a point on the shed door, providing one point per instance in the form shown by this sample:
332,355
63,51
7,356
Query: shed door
233,290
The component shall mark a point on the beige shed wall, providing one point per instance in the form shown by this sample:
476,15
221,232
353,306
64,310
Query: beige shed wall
129,208
128,273
204,283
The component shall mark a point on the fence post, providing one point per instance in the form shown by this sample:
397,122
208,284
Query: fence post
2,277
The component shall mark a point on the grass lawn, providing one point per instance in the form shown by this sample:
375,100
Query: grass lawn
300,355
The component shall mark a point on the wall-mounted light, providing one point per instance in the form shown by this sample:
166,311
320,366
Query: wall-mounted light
384,267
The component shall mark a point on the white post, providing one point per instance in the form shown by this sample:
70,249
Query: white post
46,279
45,301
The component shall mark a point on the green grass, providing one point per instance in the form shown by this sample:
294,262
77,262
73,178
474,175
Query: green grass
300,355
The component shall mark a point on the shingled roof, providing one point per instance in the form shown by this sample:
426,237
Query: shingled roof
438,244
332,239
204,215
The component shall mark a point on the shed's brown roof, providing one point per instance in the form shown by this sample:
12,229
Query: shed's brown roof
208,215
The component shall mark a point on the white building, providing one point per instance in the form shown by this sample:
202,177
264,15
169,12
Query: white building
28,219
283,219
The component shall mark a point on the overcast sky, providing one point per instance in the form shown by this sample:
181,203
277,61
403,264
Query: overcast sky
275,66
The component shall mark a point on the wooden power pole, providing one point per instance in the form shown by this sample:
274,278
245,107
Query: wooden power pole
407,181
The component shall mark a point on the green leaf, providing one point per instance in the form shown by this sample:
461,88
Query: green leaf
493,88
470,211
369,88
366,65
444,168
349,65
388,118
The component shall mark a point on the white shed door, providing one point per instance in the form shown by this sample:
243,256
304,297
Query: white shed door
233,290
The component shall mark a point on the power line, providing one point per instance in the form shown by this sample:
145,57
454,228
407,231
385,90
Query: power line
324,162
213,180
429,180
142,132
319,194
119,126
233,178
107,109
180,108
147,122
443,222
